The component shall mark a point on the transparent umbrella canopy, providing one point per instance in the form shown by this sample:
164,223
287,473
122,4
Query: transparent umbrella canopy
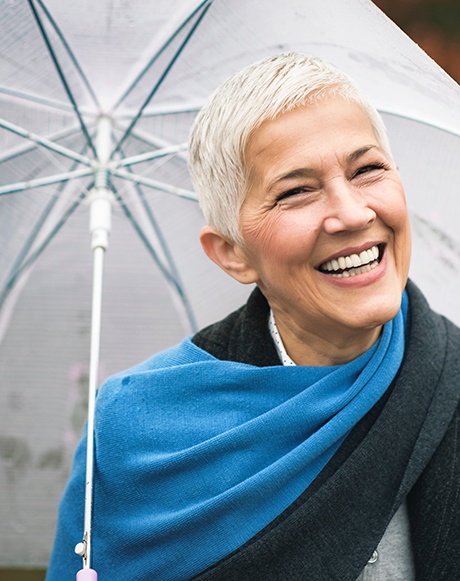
96,102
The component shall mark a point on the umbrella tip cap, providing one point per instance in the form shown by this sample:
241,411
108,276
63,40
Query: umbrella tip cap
87,575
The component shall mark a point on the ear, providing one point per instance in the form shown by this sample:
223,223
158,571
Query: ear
228,255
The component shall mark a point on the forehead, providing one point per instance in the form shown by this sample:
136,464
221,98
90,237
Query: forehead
332,126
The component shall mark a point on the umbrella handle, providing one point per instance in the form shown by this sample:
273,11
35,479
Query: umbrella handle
87,575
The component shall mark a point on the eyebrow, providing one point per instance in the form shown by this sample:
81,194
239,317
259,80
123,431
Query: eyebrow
359,152
303,172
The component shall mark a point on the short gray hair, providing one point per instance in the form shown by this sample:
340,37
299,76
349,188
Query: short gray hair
259,92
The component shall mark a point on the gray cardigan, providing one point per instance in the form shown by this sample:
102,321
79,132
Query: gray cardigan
406,448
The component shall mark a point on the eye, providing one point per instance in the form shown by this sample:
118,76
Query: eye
369,168
293,192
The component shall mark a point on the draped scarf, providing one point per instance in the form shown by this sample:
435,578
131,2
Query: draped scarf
195,455
406,448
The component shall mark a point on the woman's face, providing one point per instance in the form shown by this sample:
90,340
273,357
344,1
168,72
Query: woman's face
324,223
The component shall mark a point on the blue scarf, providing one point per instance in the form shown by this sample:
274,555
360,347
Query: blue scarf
195,455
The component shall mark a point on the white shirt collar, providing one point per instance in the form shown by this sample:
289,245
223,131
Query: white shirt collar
280,348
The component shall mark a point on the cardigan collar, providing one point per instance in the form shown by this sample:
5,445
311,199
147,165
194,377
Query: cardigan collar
391,451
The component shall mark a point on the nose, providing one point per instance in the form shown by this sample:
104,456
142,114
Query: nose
347,208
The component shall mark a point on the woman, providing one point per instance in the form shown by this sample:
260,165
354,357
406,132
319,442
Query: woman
313,433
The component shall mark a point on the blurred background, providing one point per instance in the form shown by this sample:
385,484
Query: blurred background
435,26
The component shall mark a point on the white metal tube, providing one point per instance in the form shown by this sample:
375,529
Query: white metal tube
100,222
104,138
98,271
55,179
101,197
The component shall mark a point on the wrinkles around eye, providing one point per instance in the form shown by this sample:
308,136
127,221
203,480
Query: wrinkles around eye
370,168
294,192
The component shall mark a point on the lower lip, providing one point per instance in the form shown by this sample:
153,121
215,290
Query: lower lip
360,280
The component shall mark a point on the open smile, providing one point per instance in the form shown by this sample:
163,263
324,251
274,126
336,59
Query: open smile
354,264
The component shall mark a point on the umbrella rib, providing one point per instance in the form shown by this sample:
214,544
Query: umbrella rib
175,273
156,141
44,142
168,109
53,103
36,229
46,181
162,77
73,58
157,185
26,147
58,66
128,161
159,51
169,276
149,138
22,266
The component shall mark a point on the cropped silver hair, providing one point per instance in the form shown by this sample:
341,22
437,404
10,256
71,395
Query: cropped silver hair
259,92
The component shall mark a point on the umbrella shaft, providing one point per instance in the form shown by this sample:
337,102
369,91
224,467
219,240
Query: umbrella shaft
98,270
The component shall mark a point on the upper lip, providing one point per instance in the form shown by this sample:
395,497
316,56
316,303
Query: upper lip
352,250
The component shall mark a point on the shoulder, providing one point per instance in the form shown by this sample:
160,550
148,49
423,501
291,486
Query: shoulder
432,358
218,337
243,336
162,372
429,324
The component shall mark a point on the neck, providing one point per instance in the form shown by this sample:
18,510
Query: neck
306,348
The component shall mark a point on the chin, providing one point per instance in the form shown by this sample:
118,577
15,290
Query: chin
378,312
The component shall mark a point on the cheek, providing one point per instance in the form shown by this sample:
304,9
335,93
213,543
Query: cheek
406,244
286,237
390,206
393,212
400,219
263,235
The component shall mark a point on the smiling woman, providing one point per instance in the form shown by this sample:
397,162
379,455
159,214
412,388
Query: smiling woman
312,433
320,188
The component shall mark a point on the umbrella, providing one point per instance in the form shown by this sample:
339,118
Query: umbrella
96,101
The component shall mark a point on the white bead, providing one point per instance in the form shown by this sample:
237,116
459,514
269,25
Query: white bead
80,549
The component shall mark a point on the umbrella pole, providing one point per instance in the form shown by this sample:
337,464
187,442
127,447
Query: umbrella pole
84,549
100,201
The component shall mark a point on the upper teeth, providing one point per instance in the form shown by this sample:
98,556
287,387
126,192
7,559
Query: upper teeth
352,261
